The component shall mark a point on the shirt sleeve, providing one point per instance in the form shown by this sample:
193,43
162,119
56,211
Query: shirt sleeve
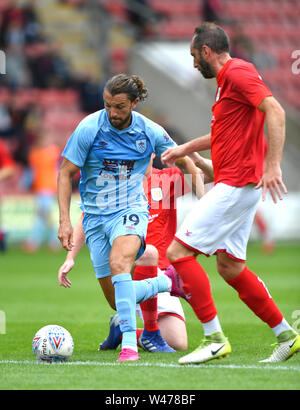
78,145
250,85
162,140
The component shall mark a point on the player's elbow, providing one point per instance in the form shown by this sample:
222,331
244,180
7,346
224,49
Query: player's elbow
270,106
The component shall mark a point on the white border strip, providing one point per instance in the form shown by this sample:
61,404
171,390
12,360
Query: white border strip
164,365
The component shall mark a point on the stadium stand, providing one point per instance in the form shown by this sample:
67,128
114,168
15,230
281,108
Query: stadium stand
55,67
273,28
46,86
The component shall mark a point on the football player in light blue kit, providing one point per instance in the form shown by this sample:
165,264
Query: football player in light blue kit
112,148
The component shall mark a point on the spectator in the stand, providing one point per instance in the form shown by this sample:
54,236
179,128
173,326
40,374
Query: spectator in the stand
7,169
6,122
213,10
40,64
18,22
90,92
32,25
43,160
243,47
241,44
143,18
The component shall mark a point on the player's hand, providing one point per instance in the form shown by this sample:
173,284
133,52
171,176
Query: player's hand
63,272
171,154
65,235
272,182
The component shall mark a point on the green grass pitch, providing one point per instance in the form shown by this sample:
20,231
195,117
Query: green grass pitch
30,298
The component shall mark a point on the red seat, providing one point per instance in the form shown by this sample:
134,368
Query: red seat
175,29
177,7
117,8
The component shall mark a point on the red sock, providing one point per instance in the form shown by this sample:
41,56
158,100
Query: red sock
197,287
149,307
253,292
138,335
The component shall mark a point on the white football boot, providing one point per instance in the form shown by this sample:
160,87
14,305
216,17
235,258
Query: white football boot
215,346
288,344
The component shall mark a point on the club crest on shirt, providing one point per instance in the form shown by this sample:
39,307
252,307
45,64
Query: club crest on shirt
156,194
141,145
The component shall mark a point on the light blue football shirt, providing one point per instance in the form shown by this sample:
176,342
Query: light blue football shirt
113,162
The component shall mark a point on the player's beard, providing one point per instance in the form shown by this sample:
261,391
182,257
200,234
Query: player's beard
205,68
120,123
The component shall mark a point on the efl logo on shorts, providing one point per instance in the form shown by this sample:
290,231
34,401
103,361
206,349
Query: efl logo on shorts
2,62
296,64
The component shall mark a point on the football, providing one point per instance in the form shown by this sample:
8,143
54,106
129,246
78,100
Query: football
52,343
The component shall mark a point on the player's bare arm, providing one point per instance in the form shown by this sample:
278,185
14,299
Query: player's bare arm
64,192
197,144
188,168
275,123
78,239
205,166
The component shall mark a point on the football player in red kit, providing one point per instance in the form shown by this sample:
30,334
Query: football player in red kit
221,221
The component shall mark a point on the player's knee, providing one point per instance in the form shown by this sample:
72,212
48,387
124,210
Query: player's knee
180,344
149,258
171,253
177,251
223,270
120,264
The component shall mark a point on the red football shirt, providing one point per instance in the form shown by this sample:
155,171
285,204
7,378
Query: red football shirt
237,139
162,188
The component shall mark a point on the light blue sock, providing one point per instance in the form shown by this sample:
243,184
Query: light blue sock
146,288
126,308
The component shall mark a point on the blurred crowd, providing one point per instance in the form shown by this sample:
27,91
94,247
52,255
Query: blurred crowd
41,102
42,99
39,93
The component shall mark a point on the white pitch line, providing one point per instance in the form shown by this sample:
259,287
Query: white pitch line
163,365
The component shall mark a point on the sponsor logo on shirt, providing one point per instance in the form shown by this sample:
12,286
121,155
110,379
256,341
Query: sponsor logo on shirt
116,169
152,218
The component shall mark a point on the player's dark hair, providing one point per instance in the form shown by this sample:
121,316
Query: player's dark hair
132,85
211,35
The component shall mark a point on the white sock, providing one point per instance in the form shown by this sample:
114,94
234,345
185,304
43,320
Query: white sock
212,326
282,327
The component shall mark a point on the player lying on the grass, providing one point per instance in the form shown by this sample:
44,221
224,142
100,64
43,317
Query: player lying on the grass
162,314
169,313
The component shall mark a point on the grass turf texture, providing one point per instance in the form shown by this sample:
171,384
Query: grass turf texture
31,298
